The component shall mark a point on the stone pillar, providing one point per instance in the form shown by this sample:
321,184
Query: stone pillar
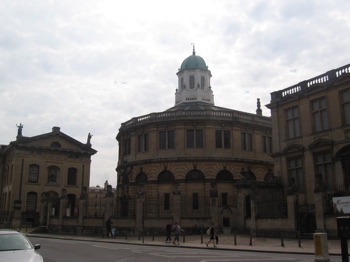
240,223
253,216
176,207
319,211
16,217
321,247
49,213
214,210
140,212
42,213
109,206
291,200
82,211
63,203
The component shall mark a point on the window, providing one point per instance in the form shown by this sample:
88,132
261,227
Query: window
195,138
345,102
166,140
167,201
191,82
295,170
323,165
222,139
31,201
292,121
319,114
142,145
246,142
224,199
202,82
72,176
52,174
195,201
126,146
55,144
267,144
33,176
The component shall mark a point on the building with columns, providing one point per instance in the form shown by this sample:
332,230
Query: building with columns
197,163
44,179
311,148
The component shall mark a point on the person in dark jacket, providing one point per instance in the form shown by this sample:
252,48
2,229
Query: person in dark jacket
109,227
212,234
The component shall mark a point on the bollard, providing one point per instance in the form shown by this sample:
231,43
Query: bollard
282,242
143,237
321,247
183,237
152,235
250,240
139,235
126,235
202,236
299,238
235,238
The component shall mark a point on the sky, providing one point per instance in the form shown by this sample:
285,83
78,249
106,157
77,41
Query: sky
88,66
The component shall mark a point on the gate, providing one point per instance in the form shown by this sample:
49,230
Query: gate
306,219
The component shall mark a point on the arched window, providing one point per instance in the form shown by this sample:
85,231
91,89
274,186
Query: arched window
52,174
195,175
31,201
72,176
191,82
33,176
165,176
224,175
55,145
141,178
202,82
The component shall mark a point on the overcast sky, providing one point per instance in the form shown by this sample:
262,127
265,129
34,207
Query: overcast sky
87,66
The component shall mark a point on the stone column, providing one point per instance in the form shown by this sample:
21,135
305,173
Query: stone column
109,206
240,223
16,218
214,211
42,213
140,212
319,211
291,200
63,203
82,211
176,207
253,216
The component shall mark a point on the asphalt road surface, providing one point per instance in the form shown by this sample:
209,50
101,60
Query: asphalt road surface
57,250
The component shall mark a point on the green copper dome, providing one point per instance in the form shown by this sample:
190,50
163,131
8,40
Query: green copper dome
193,62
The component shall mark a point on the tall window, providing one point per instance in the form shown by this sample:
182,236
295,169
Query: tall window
142,145
31,201
202,82
292,120
195,138
222,139
167,201
72,176
295,170
191,82
267,144
33,176
126,146
345,102
246,141
323,165
166,140
195,201
319,114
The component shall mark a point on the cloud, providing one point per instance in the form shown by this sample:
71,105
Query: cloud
87,66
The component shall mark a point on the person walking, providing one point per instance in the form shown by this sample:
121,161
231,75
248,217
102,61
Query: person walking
168,228
212,233
109,227
177,230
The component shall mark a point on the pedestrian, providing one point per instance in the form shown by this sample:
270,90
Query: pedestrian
168,228
212,233
177,230
109,227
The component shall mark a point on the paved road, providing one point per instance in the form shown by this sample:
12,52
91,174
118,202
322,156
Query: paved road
57,250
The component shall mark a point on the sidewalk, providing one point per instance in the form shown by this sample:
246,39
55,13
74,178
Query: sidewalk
226,242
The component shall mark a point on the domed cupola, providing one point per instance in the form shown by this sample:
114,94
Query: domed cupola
194,81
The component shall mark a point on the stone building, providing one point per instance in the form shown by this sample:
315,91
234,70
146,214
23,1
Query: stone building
311,148
196,162
43,177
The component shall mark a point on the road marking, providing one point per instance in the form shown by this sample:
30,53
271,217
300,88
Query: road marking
115,248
